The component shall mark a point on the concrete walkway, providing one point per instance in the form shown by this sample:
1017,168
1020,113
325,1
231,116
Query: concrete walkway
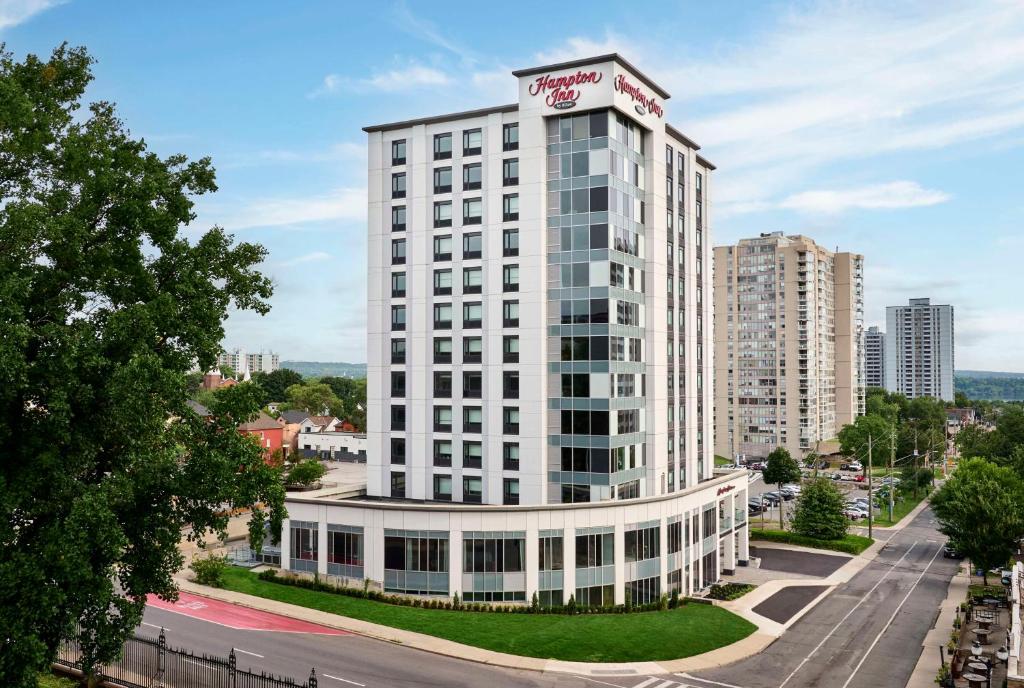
766,633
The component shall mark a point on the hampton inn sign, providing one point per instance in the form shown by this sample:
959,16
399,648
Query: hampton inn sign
562,92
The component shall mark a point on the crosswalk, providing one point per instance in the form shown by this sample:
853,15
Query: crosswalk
687,682
661,682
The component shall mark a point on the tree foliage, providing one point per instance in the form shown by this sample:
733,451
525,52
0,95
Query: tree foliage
819,511
306,472
315,398
104,308
781,468
352,393
853,438
978,509
275,384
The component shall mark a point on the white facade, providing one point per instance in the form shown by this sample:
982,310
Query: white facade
439,418
919,350
242,362
874,357
539,316
333,445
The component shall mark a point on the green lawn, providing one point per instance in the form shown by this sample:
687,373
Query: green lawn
689,630
721,460
902,506
851,544
52,681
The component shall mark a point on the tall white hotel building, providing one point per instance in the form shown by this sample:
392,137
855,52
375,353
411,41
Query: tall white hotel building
539,356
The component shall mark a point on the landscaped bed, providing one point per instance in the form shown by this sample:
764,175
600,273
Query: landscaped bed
688,630
851,544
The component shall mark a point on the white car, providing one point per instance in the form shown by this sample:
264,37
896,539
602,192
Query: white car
855,466
853,513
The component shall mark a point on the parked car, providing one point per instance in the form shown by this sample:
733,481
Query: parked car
822,465
772,498
859,478
852,513
756,466
949,552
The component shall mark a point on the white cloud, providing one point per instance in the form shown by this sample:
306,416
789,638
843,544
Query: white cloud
346,204
345,152
14,12
902,194
429,33
314,257
407,78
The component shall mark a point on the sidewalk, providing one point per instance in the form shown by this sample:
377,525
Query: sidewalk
766,633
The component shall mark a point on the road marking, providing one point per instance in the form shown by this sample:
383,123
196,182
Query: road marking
162,628
896,611
649,681
201,665
344,680
594,680
246,652
848,614
707,680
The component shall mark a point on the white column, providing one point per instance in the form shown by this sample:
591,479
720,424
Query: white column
569,565
620,564
531,559
321,549
286,544
729,560
455,561
663,551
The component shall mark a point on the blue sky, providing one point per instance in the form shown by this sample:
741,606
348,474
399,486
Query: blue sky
895,130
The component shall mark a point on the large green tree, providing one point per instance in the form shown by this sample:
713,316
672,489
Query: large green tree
352,393
781,468
104,308
978,509
819,511
853,438
314,398
275,384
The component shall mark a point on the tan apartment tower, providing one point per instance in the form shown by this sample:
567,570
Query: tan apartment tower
789,354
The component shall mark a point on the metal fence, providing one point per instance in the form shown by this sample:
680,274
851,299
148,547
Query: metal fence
151,663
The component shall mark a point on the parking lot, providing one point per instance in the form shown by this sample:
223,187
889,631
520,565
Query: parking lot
850,488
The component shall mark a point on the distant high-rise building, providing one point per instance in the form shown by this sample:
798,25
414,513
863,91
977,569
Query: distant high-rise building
788,344
919,350
874,357
242,362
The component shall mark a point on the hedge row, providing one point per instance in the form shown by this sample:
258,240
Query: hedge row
729,591
851,544
455,604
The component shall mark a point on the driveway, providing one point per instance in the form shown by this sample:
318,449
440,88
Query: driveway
796,561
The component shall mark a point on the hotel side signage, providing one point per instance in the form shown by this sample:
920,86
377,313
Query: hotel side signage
562,92
727,488
644,102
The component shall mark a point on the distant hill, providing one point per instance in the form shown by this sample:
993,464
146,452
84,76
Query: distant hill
990,386
324,368
987,373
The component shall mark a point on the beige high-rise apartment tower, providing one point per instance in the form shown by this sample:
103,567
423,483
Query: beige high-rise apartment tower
789,353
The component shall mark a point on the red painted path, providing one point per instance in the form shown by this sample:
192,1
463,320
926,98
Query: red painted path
234,616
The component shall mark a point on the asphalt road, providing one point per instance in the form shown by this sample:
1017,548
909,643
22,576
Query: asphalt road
867,632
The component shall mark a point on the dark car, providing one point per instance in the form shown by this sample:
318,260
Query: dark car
949,552
772,497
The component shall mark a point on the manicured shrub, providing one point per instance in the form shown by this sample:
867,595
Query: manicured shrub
210,570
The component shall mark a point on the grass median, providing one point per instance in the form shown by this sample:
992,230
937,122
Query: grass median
689,630
851,544
900,508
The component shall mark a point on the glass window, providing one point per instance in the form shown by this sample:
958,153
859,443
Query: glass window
398,485
510,278
398,218
510,456
510,172
510,384
442,282
397,383
398,251
510,348
510,207
472,176
442,146
398,152
398,418
595,550
510,242
397,284
442,349
472,421
472,245
510,313
442,316
510,491
550,550
442,213
510,420
472,211
472,280
472,384
443,452
510,137
398,450
398,185
443,418
304,545
472,315
398,318
443,247
472,349
443,488
472,489
472,141
442,179
442,384
398,351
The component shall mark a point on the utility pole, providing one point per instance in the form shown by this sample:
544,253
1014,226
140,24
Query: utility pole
892,469
871,501
915,461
